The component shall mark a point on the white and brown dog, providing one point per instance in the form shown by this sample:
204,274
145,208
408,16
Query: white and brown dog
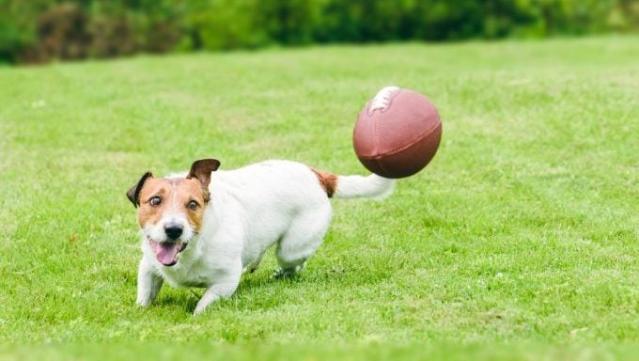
203,232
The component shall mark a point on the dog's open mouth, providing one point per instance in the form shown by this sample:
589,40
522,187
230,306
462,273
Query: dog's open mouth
167,252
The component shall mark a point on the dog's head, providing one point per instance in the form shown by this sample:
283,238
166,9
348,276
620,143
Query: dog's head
170,210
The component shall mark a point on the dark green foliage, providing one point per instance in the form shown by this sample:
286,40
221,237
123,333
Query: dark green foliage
43,29
36,31
224,25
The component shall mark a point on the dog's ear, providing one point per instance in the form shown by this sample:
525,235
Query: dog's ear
134,193
201,170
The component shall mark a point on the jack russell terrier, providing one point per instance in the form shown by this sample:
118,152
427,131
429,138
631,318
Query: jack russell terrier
206,227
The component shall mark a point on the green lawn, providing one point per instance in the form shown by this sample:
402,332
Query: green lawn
518,241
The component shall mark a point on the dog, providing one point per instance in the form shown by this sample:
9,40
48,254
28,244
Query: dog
206,227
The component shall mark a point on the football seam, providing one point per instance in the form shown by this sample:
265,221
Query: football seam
421,137
370,112
376,140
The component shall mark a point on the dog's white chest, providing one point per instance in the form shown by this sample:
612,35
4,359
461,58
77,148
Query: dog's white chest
196,275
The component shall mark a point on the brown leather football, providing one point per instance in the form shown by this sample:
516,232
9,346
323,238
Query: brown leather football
397,133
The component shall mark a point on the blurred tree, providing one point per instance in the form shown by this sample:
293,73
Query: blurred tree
63,33
288,21
42,29
18,27
223,24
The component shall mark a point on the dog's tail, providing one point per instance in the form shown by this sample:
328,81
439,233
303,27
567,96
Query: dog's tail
355,186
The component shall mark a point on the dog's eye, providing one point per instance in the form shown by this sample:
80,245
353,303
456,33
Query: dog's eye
155,201
192,205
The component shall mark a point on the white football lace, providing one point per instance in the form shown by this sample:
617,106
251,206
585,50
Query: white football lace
383,98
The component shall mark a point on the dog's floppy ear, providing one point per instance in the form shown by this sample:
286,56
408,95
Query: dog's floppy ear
134,193
201,170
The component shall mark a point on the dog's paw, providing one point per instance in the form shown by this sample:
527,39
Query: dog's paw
284,273
143,303
200,309
202,305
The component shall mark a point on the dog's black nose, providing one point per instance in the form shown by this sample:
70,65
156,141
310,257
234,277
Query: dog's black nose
173,232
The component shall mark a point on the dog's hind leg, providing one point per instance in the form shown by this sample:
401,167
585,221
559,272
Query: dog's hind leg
302,239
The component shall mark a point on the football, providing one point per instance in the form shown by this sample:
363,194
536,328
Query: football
397,133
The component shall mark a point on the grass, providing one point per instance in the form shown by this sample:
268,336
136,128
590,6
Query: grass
519,241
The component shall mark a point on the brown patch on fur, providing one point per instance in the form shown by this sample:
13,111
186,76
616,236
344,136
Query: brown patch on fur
327,180
174,194
134,192
192,190
201,170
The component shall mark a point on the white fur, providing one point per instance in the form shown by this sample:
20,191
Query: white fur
253,208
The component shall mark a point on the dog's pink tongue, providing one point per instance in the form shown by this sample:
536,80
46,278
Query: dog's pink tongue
166,253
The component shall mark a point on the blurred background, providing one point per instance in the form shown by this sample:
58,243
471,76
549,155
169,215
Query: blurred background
37,31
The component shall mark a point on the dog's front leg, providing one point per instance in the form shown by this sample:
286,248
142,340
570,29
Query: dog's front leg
224,287
149,284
